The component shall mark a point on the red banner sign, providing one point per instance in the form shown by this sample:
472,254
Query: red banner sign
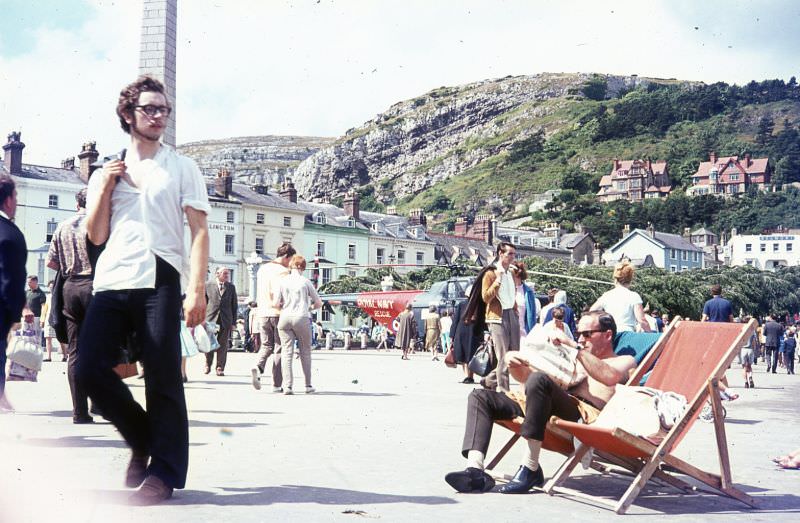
384,307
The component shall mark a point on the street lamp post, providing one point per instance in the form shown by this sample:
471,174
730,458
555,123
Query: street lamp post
253,262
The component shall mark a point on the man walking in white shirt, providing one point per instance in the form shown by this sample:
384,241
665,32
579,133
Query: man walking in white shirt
268,279
136,206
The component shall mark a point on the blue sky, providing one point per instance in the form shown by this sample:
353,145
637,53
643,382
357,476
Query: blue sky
248,67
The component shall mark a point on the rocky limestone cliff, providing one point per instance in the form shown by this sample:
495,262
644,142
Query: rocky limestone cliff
420,142
254,159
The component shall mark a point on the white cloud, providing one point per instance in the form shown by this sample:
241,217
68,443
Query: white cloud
318,68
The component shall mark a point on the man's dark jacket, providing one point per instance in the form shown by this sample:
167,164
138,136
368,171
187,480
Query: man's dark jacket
13,255
475,314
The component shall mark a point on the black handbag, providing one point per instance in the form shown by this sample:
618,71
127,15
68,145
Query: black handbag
57,320
483,362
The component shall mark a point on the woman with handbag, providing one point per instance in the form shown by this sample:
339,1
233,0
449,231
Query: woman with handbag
296,298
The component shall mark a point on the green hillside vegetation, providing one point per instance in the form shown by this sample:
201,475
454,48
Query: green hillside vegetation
573,146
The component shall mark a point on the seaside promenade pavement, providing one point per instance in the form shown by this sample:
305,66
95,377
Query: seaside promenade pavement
374,443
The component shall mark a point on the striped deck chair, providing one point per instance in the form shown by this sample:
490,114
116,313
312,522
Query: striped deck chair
692,358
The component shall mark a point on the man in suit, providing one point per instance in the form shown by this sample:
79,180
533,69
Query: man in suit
13,255
222,301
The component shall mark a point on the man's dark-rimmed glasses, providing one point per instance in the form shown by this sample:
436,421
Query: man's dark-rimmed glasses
154,110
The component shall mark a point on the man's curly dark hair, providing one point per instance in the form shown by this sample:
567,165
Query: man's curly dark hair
129,97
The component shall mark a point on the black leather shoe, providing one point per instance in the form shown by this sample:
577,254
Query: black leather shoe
82,420
152,492
137,470
470,480
524,480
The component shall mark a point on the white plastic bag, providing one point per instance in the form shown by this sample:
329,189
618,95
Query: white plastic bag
24,352
188,343
202,340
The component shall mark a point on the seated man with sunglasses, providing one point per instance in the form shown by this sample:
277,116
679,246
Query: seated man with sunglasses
542,399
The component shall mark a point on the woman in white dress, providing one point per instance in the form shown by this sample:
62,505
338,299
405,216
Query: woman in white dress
622,303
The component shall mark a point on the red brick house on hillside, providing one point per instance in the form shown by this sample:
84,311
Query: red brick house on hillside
729,175
635,180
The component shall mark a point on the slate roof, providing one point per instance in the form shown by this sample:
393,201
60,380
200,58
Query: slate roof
669,241
570,240
450,248
245,194
51,174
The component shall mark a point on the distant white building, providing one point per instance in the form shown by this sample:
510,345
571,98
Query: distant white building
763,251
45,197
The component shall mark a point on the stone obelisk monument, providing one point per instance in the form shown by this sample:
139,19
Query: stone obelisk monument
157,52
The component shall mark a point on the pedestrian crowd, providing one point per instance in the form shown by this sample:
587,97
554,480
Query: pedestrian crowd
121,263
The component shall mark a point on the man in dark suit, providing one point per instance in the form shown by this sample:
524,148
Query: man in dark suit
222,301
13,255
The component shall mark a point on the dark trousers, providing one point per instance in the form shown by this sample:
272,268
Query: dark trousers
772,359
788,359
223,337
3,363
544,398
77,296
154,316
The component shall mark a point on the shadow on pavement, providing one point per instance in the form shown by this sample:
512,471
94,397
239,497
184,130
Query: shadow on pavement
223,424
55,413
334,393
83,441
195,411
298,494
743,421
667,500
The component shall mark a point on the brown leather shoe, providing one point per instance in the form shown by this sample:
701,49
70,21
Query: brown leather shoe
152,492
137,470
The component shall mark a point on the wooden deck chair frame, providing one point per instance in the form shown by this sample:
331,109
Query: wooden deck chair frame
649,460
559,440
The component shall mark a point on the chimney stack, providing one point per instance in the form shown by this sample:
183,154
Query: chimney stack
351,204
616,164
417,217
712,156
13,153
687,232
288,191
87,157
68,163
626,230
482,228
651,230
391,210
461,226
747,161
223,184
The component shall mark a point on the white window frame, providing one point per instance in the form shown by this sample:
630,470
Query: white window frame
420,258
380,256
52,201
230,217
351,251
260,218
287,221
232,239
320,248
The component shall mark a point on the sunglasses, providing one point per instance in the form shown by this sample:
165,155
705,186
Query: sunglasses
588,333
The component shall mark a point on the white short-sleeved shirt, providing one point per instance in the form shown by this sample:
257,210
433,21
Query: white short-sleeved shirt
620,303
147,221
